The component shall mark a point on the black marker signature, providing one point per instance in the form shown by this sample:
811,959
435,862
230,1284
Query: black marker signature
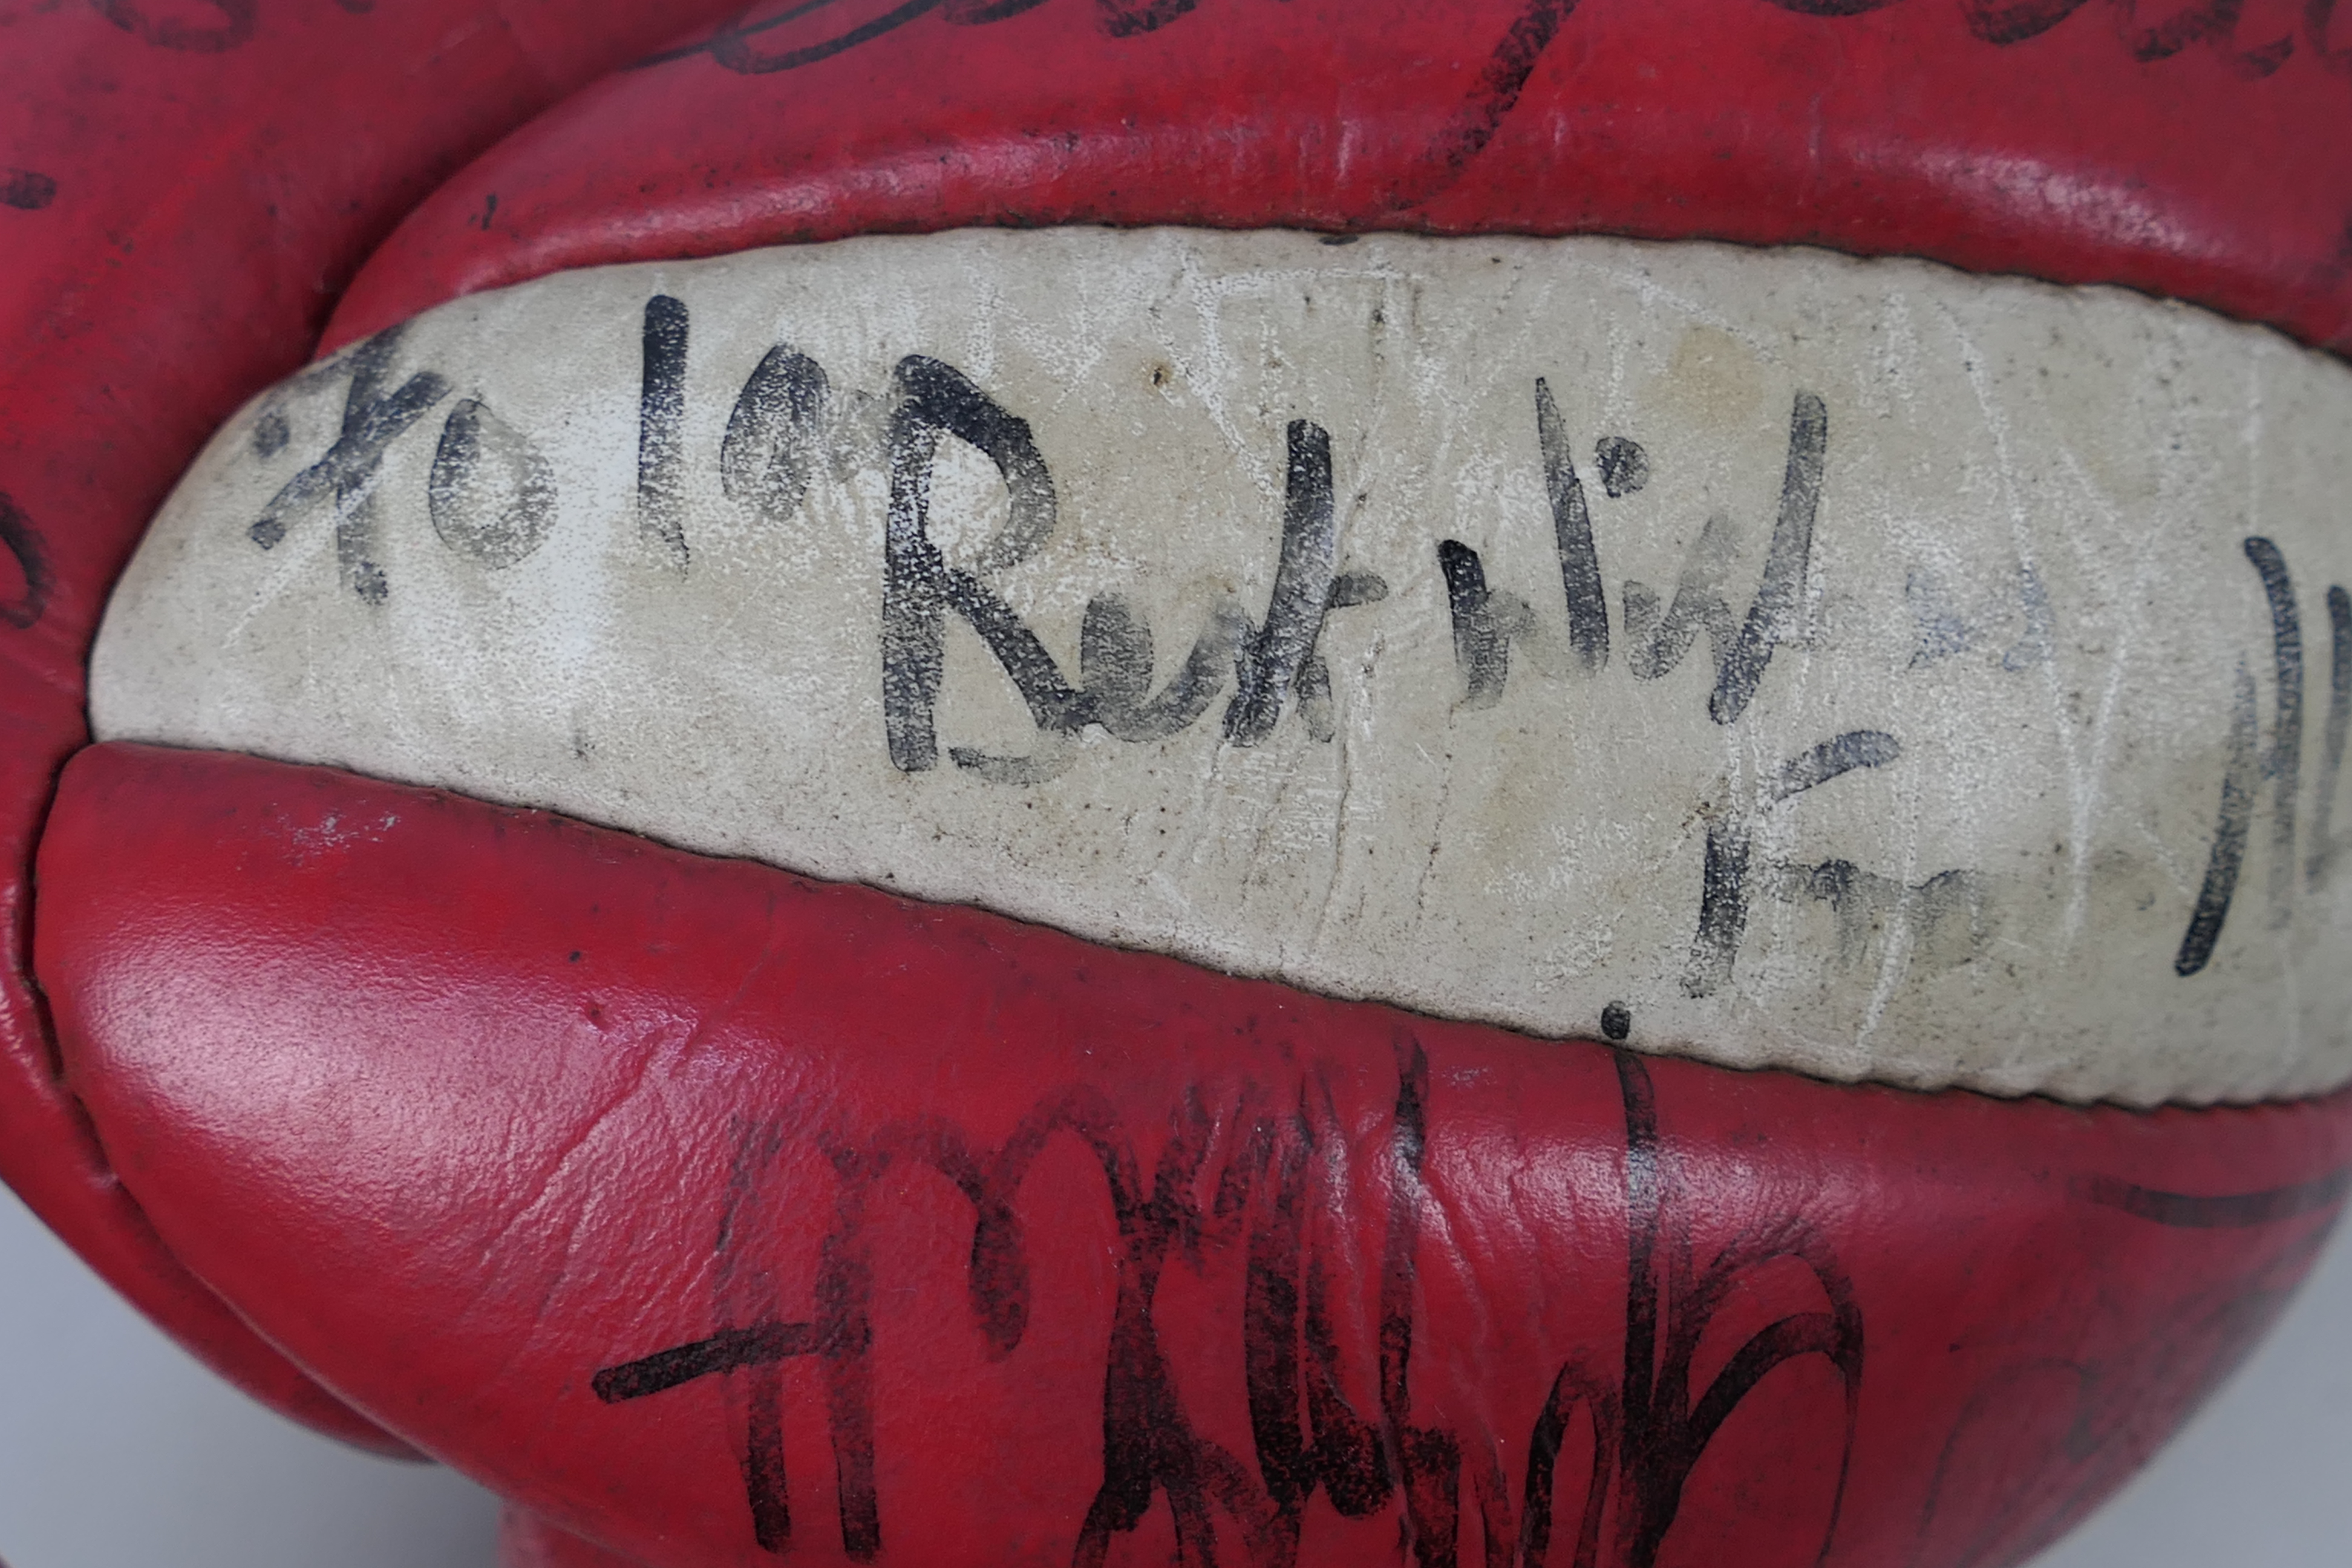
23,541
2212,23
1486,623
341,482
730,44
1651,1426
1726,887
2249,765
2105,1409
1275,663
1488,103
491,498
26,190
661,418
237,22
490,493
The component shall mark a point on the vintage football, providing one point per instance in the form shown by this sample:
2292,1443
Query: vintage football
1239,782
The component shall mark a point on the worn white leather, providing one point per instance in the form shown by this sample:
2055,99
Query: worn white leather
1924,603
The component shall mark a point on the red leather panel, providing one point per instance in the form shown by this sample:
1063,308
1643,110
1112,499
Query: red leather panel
2199,153
190,186
704,1209
525,1542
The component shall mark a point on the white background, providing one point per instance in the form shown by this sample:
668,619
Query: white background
117,1451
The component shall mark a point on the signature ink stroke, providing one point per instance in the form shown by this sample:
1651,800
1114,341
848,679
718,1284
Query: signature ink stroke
1651,1426
2249,765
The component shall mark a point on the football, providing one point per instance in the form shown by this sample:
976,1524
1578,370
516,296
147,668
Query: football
1250,783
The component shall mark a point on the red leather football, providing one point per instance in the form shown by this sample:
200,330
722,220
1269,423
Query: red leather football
1256,783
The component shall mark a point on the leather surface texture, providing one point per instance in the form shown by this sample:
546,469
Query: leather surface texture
190,187
708,1212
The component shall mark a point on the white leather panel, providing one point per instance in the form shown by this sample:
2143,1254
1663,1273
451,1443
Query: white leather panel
1853,667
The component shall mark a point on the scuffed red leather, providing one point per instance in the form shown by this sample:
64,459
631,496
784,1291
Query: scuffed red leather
694,1205
2195,151
189,186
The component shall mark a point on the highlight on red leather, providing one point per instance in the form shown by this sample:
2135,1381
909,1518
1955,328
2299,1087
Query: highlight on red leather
706,1212
2185,155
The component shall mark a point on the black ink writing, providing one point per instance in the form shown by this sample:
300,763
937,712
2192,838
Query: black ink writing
343,480
23,544
1657,639
2318,22
1650,1427
2240,771
2014,21
731,47
1571,522
1944,631
2034,646
2213,23
2101,1403
1834,8
2282,761
1484,622
1277,665
26,190
1725,889
1624,465
491,498
2247,764
236,26
1947,628
1115,663
2331,748
491,494
931,401
1493,94
271,431
2232,1211
1942,917
1665,1430
1281,659
661,423
1777,614
775,438
1492,97
1126,18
